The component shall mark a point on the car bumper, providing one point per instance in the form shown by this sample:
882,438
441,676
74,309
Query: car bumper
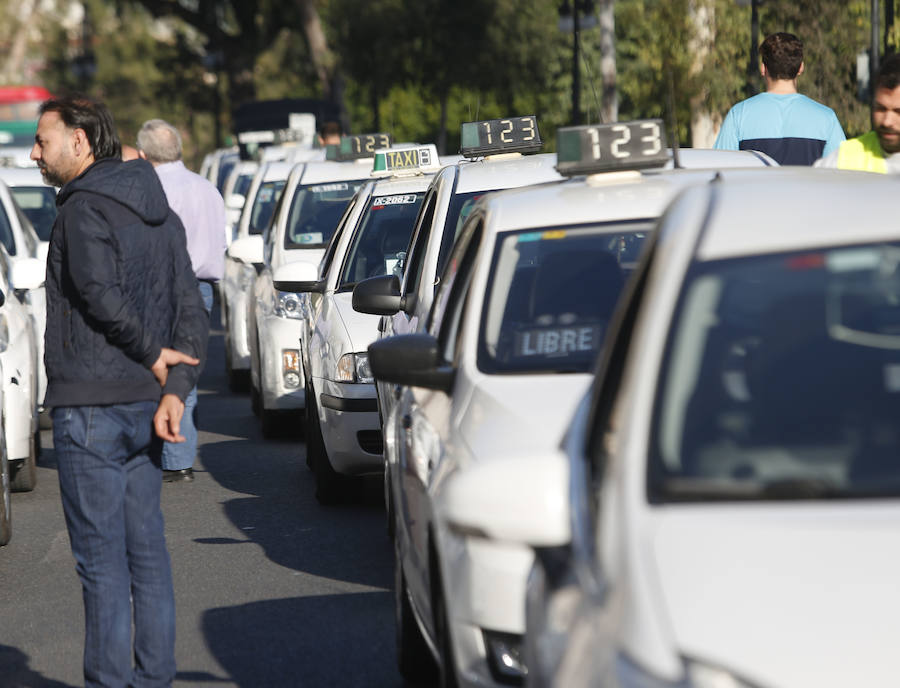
275,336
348,415
237,330
485,584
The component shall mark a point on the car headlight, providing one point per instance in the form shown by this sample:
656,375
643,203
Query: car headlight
354,368
699,675
246,277
288,305
4,334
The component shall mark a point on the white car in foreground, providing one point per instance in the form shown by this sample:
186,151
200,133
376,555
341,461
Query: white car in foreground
733,488
518,319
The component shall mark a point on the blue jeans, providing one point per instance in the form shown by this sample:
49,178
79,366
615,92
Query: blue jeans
177,456
110,489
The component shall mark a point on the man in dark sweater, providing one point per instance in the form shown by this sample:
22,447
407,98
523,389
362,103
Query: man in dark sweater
126,329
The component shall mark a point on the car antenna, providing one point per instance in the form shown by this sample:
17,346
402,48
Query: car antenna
587,66
673,121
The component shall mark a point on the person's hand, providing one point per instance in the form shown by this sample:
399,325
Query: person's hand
167,359
167,419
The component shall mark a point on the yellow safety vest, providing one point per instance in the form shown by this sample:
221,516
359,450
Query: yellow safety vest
862,153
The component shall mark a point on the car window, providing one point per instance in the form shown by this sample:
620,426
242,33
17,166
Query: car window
455,291
381,239
551,294
331,249
6,233
419,242
460,206
781,379
39,205
264,205
315,211
28,235
225,168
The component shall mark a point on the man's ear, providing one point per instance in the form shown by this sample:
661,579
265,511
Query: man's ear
762,69
142,154
80,142
802,67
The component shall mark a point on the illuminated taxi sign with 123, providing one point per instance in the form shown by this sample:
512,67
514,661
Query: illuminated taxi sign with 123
492,136
362,145
606,147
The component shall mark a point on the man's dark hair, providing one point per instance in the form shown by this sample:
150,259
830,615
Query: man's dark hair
782,54
94,118
889,73
330,128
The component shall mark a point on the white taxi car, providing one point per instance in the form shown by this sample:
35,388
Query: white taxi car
35,197
519,316
733,483
342,426
242,260
312,203
493,160
18,363
235,194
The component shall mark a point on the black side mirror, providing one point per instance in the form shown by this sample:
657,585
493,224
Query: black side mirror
377,295
413,360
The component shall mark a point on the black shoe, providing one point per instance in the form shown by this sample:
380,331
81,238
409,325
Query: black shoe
185,475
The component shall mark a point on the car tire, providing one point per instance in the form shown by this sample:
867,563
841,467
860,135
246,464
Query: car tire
5,499
414,659
23,478
329,483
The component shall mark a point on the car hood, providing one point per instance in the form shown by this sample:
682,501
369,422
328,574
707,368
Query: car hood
784,595
308,255
362,328
509,415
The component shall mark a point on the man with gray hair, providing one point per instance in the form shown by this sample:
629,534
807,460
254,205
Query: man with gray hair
202,211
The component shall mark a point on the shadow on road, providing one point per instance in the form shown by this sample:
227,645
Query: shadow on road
291,636
15,673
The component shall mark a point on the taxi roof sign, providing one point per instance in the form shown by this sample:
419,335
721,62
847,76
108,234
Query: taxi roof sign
357,146
492,136
406,161
594,148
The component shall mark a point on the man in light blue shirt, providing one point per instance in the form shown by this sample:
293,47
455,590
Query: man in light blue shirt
788,126
202,211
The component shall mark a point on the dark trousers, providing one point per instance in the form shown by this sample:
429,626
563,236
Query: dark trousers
110,493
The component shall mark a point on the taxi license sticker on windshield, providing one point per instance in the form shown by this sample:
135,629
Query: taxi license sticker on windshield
397,199
557,341
539,236
265,195
325,188
309,238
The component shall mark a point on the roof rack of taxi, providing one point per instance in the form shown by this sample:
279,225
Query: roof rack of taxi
357,146
404,161
598,148
497,136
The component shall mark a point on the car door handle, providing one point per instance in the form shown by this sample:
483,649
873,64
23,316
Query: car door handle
406,421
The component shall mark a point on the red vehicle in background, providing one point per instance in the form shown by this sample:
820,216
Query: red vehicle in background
19,113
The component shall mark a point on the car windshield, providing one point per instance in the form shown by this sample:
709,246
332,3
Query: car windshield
551,293
264,205
225,168
39,205
782,380
315,212
242,184
381,239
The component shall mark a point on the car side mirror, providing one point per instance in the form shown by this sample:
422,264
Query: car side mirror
27,273
413,360
248,249
235,201
378,295
520,500
299,276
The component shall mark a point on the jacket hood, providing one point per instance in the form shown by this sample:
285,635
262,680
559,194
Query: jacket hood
133,184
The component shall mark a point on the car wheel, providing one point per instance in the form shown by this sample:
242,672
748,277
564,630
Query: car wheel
5,500
23,478
329,483
414,659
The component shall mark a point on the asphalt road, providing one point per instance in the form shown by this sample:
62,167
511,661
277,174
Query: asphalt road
271,589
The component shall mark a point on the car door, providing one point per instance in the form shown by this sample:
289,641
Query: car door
425,422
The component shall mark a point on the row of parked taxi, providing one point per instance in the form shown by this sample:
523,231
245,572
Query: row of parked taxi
27,212
635,407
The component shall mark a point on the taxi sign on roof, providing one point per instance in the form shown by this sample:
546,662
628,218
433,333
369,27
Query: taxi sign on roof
416,160
491,136
358,146
607,147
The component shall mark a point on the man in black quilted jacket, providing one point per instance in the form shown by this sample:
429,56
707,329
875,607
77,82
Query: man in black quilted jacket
126,329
